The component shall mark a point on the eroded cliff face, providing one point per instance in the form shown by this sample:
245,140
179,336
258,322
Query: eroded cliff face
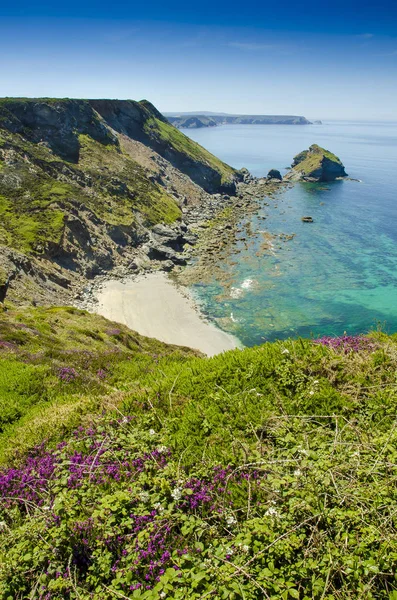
82,183
59,123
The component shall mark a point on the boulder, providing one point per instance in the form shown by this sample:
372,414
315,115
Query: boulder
274,174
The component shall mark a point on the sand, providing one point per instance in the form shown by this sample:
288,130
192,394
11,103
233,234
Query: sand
154,306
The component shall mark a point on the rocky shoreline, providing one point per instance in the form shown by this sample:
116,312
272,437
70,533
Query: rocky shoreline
191,247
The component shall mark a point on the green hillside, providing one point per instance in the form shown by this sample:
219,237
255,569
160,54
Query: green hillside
60,158
132,469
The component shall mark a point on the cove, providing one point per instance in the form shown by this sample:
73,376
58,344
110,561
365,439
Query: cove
335,275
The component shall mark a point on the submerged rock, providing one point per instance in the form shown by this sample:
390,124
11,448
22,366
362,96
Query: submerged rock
307,219
316,164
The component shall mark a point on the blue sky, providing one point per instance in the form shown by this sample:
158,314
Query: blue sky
286,57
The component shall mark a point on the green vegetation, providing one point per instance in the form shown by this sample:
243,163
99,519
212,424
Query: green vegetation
181,143
38,190
131,193
311,160
263,473
31,229
36,344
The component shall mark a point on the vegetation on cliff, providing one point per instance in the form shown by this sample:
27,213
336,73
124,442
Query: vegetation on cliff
83,181
58,154
262,473
316,163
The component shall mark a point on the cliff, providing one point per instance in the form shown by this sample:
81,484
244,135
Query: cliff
316,164
195,121
82,182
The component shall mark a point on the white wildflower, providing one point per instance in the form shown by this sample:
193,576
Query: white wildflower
316,381
311,392
144,496
163,595
271,512
245,548
176,493
162,449
297,472
230,520
158,507
124,420
229,550
152,432
285,351
303,451
45,508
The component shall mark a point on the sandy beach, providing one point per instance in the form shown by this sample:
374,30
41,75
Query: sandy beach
153,306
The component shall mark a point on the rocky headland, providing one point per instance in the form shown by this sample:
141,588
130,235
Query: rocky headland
191,121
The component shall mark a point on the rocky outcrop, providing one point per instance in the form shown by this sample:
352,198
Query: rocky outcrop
274,174
56,124
316,164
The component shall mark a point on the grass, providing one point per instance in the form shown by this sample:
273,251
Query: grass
35,200
312,159
29,230
35,345
262,473
133,193
184,145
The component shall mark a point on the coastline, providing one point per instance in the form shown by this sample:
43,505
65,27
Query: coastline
154,306
143,296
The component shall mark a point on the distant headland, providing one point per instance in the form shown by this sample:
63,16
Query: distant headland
188,120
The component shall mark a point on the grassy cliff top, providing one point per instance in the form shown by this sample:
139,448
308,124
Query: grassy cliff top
262,473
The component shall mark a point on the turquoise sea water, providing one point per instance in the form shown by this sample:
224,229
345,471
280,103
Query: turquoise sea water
337,274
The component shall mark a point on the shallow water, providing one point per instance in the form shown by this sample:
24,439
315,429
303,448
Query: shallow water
337,274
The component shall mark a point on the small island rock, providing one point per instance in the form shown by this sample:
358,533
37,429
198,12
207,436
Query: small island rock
274,174
316,164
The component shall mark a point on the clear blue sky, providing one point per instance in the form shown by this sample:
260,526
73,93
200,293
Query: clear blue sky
319,59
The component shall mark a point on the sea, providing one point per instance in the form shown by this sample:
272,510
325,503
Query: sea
293,279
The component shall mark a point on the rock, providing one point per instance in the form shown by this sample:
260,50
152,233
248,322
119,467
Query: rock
274,174
316,164
157,251
307,219
165,235
246,175
167,265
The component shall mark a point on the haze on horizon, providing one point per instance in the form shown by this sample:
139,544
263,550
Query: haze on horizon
334,61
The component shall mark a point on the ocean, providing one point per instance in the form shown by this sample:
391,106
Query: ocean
335,275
